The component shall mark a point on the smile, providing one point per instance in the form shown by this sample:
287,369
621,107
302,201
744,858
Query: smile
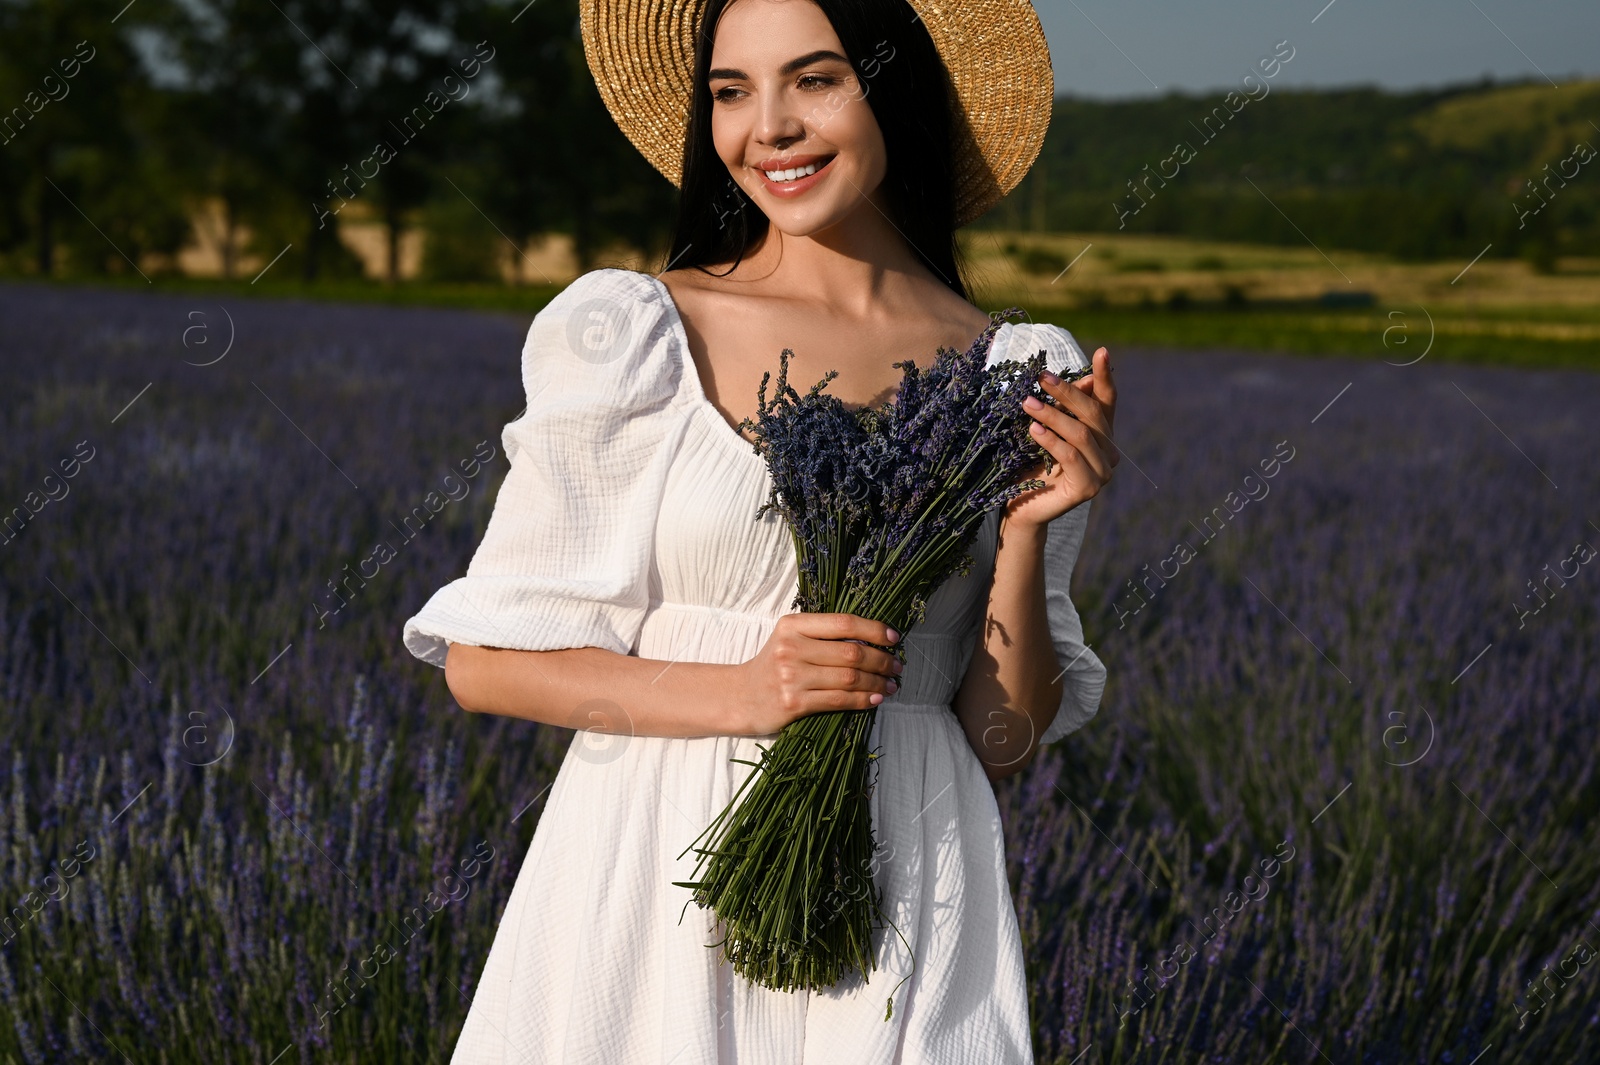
799,176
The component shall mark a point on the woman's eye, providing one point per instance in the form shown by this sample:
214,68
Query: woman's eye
817,81
723,95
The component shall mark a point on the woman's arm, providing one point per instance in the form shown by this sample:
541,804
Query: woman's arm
593,688
1012,689
809,664
1013,684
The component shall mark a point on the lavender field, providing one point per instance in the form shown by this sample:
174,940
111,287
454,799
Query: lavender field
1338,806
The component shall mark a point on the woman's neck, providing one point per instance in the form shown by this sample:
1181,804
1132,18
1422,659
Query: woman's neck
861,263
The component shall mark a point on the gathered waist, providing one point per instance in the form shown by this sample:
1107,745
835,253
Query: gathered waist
889,705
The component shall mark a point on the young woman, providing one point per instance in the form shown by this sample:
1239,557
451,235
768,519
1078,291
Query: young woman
625,588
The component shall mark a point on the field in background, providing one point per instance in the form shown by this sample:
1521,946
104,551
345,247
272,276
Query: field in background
1347,667
1173,292
1182,293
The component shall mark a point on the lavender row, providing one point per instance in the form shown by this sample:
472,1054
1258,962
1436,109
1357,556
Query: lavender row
239,819
1343,655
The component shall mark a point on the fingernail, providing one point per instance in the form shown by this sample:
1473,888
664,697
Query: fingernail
1050,378
894,637
1032,403
899,667
875,699
894,686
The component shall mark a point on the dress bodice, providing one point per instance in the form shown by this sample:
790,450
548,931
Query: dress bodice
628,519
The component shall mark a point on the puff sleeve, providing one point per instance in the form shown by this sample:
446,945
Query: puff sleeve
1084,675
565,559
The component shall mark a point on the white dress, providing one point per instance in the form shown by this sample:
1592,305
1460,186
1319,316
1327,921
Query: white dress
626,522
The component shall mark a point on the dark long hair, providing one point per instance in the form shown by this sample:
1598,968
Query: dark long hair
908,89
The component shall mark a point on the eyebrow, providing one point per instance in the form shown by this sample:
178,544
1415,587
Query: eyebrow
788,68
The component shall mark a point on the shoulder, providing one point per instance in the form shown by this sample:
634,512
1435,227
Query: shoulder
609,334
609,284
597,307
1019,340
699,296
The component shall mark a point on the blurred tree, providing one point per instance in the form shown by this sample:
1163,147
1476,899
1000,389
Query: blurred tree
310,66
460,245
274,94
369,100
78,153
557,160
225,127
417,73
119,122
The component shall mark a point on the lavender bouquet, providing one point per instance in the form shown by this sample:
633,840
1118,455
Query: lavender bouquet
883,505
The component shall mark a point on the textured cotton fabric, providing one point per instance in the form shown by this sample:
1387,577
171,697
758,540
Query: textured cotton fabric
627,522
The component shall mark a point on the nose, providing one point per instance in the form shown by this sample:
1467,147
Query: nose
780,125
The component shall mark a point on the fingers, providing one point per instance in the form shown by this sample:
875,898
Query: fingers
1067,438
1091,399
842,627
1084,464
842,679
1084,418
849,654
1099,389
842,688
831,663
1099,382
1105,388
1072,398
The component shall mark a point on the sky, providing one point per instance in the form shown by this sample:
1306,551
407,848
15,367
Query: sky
1120,49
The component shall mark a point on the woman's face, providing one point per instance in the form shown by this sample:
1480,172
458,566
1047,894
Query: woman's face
789,115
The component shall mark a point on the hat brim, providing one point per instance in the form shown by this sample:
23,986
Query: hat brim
641,53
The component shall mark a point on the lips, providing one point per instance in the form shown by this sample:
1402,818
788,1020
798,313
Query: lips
793,175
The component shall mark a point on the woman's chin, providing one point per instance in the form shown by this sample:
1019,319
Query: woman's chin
801,219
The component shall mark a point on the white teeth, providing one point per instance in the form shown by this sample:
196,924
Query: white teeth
784,176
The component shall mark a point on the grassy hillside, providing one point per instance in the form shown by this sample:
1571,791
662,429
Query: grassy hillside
1180,292
1422,175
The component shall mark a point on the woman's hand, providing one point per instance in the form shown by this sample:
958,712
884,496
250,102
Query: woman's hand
813,663
1080,442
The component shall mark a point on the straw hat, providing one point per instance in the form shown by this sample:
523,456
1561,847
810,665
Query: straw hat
641,53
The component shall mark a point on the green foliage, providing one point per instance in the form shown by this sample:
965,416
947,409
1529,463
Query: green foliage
461,245
1426,174
292,137
1540,253
1237,324
243,111
1041,261
80,166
